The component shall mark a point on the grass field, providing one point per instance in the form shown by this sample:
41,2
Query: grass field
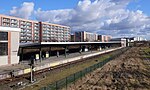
52,77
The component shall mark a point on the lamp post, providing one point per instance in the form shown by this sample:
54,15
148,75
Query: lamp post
31,68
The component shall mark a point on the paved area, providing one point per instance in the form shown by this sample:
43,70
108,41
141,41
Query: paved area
24,64
60,58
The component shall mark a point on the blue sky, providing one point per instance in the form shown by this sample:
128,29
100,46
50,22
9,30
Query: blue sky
44,4
143,5
119,18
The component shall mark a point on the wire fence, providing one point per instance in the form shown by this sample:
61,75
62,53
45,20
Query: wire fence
63,83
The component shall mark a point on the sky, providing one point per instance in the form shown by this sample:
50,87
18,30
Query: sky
118,18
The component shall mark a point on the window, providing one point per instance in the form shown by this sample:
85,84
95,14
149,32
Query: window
3,35
3,49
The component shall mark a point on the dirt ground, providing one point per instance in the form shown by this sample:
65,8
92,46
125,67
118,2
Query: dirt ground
127,72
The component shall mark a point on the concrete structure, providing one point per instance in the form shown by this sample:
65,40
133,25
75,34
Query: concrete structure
85,37
138,39
48,49
104,38
29,28
122,40
130,40
48,63
35,31
9,45
72,38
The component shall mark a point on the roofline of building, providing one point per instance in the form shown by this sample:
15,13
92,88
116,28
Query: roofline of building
43,43
19,18
35,21
64,43
54,24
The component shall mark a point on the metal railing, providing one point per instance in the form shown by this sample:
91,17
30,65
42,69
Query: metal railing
63,83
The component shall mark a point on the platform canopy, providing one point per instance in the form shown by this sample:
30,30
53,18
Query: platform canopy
65,43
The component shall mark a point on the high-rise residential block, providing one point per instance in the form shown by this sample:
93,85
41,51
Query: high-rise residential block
104,38
85,36
35,31
54,32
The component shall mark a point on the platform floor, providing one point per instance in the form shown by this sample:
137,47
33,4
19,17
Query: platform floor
24,64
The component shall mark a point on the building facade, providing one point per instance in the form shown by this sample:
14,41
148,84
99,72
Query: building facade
34,31
85,37
104,38
72,38
9,45
122,40
54,33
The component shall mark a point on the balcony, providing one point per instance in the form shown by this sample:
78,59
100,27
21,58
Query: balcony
23,31
22,26
36,24
29,27
7,20
36,28
14,21
36,32
23,34
36,37
6,24
29,24
29,39
15,26
28,34
23,22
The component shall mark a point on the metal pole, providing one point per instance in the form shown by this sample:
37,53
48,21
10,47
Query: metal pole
31,75
66,83
32,66
91,47
57,53
50,52
80,51
40,54
66,51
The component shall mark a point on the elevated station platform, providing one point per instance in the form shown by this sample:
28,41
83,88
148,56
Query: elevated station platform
24,68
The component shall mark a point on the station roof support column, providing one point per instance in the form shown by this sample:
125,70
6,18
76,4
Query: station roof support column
65,51
40,55
21,57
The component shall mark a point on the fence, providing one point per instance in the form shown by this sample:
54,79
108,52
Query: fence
63,83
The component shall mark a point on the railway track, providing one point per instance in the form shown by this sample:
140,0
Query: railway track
48,70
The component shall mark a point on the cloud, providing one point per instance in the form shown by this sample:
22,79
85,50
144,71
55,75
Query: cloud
54,16
24,11
101,16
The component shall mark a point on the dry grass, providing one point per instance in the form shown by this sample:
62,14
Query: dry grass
127,72
52,77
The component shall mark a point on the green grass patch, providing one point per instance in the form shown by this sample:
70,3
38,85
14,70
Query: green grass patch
53,77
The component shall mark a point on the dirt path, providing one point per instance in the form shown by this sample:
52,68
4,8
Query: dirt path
127,72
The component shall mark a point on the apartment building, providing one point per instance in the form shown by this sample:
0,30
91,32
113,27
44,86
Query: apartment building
122,40
104,38
72,38
85,36
29,28
34,31
54,32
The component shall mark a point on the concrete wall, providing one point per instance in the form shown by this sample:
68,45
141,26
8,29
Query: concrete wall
3,60
14,47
